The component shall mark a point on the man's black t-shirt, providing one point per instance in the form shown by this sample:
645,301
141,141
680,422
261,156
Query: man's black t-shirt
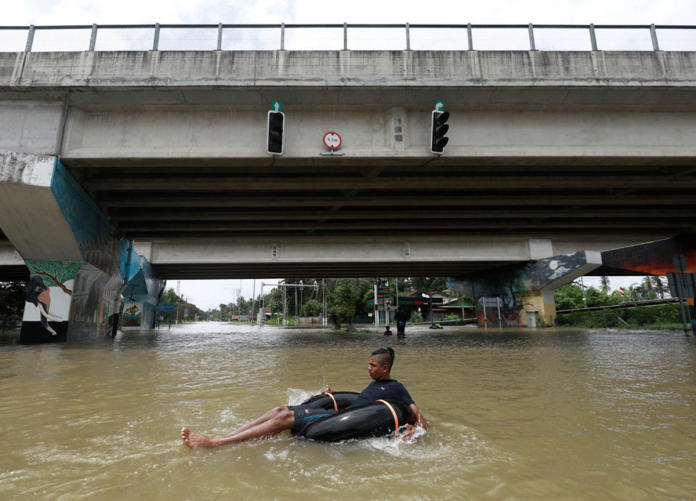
384,389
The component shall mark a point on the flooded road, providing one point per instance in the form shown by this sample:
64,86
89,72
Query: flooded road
551,414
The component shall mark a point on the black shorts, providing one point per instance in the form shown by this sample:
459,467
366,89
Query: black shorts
306,416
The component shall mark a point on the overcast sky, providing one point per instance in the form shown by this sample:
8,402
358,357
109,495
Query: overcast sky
42,12
209,294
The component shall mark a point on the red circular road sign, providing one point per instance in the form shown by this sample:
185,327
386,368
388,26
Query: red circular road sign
332,140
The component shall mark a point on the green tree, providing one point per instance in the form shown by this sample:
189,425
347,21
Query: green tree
13,297
311,309
343,300
274,300
426,285
596,297
660,286
648,288
604,284
568,297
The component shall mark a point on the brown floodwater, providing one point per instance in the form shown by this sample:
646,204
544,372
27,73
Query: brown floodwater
513,414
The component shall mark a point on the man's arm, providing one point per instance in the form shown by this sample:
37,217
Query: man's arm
418,416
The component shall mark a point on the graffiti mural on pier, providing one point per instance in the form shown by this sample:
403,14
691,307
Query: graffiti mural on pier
49,295
513,284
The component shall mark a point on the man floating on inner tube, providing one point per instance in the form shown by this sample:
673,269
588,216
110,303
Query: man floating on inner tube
299,417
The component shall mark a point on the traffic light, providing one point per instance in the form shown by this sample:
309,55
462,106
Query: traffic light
276,124
438,131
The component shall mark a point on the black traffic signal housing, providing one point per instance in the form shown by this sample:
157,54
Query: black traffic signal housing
438,131
276,125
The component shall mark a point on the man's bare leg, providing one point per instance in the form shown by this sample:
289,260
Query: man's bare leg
266,417
271,423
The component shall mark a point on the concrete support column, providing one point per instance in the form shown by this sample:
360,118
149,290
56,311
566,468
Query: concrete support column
74,255
540,309
522,295
141,295
96,301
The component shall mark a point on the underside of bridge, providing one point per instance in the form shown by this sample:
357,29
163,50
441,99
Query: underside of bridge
352,200
582,150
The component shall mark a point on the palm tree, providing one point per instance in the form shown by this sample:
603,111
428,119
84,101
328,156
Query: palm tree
647,285
604,284
659,286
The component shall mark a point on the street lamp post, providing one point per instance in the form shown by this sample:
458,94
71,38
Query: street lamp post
432,321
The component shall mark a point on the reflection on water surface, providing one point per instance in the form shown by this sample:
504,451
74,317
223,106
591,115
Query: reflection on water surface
513,415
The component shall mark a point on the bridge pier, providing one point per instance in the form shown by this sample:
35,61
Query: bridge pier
525,291
141,293
76,258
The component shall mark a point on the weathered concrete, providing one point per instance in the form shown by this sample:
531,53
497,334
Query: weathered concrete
452,255
318,69
141,293
575,150
76,258
30,214
180,106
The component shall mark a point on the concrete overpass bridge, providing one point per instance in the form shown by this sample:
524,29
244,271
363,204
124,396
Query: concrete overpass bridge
550,153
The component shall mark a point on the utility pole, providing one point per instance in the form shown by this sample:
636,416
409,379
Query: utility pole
376,309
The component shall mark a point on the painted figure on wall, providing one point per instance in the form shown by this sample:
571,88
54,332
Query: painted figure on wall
132,317
40,296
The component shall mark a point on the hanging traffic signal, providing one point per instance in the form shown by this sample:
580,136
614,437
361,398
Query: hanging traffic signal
438,131
276,124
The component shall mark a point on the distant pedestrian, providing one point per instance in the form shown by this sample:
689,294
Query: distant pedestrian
400,319
387,332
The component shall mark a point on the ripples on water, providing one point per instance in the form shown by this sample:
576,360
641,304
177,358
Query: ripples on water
513,415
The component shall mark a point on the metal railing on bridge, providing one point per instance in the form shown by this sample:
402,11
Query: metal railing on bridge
210,37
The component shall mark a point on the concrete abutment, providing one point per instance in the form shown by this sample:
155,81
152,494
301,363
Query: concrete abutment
79,265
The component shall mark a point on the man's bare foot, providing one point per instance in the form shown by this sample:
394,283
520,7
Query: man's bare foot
194,440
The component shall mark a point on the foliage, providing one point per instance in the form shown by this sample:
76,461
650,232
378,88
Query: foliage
170,296
13,296
416,318
311,309
346,297
426,285
660,286
343,300
569,297
656,316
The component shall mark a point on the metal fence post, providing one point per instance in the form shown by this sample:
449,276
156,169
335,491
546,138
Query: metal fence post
30,39
93,38
345,36
155,43
532,46
408,37
593,38
282,36
219,44
470,36
653,35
